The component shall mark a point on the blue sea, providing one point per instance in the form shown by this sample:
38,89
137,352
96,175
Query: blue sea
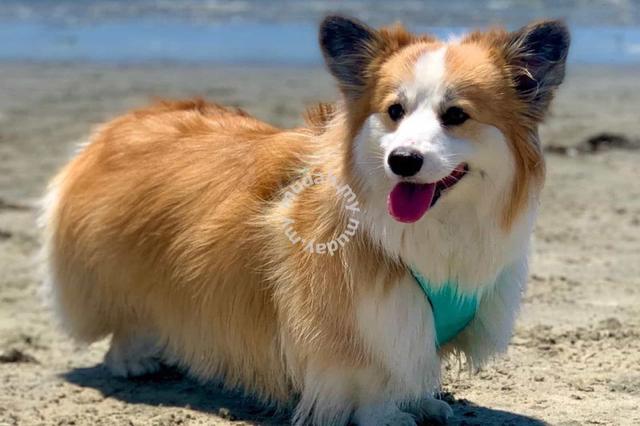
283,31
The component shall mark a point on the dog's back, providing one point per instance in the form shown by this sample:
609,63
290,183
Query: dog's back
150,229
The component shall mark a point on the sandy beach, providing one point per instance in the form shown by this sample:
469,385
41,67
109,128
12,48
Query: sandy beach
575,355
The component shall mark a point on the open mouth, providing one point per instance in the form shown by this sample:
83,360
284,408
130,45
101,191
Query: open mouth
408,201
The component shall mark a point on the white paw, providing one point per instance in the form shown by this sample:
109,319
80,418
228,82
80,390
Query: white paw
387,414
131,357
433,409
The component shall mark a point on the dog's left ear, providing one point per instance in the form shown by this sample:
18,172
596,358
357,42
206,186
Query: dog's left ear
349,48
537,54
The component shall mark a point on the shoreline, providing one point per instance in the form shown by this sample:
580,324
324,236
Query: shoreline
286,41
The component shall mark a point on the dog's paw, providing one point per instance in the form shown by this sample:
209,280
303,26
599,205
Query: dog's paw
434,410
132,357
387,414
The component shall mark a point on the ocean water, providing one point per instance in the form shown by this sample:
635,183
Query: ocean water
283,31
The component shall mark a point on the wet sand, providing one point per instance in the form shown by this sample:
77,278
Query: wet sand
575,356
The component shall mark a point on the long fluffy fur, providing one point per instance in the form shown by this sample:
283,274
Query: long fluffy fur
169,225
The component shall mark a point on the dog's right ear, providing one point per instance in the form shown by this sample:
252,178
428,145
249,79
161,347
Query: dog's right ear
537,55
348,47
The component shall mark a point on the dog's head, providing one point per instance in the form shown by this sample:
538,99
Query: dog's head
430,119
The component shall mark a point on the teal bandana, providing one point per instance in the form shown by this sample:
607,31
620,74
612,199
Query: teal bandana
452,310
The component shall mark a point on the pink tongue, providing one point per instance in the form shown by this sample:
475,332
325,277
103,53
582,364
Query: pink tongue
408,202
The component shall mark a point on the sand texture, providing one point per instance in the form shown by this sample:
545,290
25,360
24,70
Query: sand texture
575,356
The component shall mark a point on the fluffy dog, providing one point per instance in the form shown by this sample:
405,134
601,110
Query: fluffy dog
170,230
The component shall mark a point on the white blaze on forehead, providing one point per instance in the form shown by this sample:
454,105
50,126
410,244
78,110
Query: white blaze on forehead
429,73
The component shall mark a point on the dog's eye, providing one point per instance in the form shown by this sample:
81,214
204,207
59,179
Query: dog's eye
396,112
454,116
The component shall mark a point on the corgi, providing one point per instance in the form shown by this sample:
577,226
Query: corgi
192,233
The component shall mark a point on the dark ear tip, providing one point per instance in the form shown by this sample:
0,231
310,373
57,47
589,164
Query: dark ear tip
331,20
337,32
549,39
552,28
559,27
334,22
329,24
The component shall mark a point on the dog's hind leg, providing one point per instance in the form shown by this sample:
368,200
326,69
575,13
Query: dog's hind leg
134,352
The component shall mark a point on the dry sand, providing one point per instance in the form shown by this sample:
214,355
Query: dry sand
575,356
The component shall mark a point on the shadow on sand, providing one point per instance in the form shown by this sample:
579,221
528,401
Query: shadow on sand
172,388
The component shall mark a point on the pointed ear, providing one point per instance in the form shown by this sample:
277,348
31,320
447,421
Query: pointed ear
537,55
349,48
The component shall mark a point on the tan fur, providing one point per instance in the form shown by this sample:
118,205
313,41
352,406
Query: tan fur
317,116
171,220
481,69
164,220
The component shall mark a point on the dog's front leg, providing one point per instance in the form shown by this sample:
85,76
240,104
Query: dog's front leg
490,331
397,326
394,380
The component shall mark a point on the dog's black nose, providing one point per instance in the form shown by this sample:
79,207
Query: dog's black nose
405,162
